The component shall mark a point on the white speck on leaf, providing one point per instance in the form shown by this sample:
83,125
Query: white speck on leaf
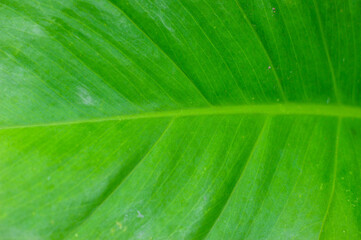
269,67
85,96
140,215
140,235
36,30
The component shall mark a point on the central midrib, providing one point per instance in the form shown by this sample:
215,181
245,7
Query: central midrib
270,109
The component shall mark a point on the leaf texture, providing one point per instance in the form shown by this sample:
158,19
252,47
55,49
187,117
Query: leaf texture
179,119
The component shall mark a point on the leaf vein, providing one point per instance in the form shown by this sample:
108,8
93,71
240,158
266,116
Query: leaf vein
160,49
334,175
269,110
122,180
242,171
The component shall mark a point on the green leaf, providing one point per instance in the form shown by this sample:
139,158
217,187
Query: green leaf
180,119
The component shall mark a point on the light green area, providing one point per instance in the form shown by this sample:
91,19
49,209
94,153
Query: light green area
179,119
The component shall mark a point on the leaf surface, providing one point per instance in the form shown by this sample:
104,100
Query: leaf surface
178,119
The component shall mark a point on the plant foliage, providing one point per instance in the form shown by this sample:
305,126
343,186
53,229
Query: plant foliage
180,119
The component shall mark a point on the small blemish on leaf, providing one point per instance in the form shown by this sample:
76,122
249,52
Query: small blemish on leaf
120,226
85,97
140,215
